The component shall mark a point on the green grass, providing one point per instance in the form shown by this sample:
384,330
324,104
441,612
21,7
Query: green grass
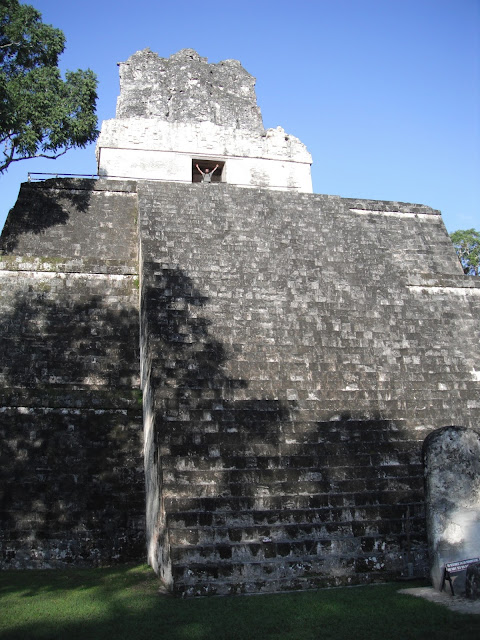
124,602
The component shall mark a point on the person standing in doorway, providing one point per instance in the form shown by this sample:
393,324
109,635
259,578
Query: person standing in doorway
207,174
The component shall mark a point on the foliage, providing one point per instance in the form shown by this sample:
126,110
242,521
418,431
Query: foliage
124,603
41,115
467,246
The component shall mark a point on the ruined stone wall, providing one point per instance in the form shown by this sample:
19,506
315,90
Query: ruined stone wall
173,113
297,360
294,351
72,488
186,88
74,218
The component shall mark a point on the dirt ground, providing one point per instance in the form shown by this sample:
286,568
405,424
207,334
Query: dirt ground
455,603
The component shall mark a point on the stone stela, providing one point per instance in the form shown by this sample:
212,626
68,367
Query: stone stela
233,380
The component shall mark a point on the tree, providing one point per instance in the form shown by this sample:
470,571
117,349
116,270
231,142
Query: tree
467,246
41,115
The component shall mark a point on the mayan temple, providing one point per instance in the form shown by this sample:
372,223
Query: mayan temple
206,365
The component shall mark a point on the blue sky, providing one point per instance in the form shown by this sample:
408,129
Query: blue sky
385,94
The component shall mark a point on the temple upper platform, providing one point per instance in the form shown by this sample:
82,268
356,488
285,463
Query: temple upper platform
174,114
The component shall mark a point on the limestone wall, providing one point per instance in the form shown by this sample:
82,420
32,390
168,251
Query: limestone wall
297,358
153,149
72,484
174,111
73,218
294,350
186,88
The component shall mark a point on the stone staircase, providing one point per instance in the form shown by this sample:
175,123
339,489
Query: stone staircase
320,513
293,376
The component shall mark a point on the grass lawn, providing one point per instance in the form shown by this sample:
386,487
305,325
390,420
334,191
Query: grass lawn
124,602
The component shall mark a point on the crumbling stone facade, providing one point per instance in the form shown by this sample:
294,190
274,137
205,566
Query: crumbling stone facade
174,113
293,350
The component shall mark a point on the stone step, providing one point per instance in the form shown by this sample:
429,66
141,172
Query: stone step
227,446
380,495
367,531
268,577
403,453
309,480
338,511
337,541
288,490
363,468
189,429
253,450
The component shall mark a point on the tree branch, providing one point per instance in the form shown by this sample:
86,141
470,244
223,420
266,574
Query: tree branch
10,160
7,136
